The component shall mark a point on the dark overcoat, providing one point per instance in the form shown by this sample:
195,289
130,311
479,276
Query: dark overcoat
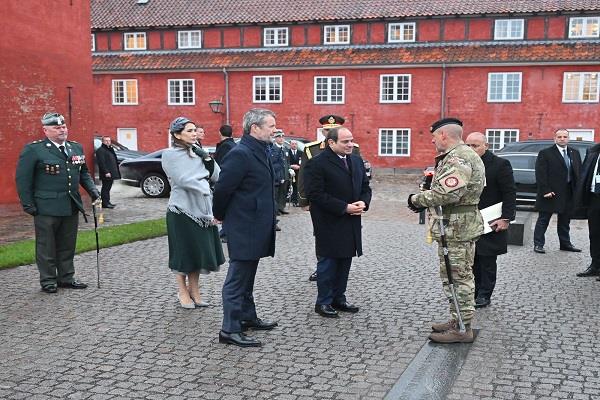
330,187
244,199
223,147
582,193
551,176
107,163
499,187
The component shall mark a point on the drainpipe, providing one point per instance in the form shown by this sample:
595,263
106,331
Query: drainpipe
226,95
443,105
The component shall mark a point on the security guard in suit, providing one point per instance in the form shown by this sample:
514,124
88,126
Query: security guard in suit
48,176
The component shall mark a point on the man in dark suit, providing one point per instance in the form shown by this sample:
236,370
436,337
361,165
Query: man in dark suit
556,173
244,199
294,157
108,170
588,196
225,145
338,190
499,187
48,176
281,168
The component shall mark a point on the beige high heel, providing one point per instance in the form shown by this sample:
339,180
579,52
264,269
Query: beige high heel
188,306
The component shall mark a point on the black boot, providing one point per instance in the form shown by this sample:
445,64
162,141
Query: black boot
592,270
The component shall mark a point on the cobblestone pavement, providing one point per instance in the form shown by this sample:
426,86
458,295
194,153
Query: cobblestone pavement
129,339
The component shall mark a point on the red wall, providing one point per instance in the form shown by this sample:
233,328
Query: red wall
41,57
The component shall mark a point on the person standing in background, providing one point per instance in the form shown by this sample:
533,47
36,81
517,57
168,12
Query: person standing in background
108,169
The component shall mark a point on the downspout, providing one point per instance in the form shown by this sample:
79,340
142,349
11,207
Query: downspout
226,95
443,105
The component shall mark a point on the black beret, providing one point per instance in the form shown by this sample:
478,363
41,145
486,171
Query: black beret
53,118
178,124
331,121
226,130
445,121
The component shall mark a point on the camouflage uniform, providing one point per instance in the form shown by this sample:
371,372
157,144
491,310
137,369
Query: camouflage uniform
457,185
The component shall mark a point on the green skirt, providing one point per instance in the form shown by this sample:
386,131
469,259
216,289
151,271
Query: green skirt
193,248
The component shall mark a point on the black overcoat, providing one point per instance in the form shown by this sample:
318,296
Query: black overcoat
107,163
223,147
330,187
582,193
551,176
499,187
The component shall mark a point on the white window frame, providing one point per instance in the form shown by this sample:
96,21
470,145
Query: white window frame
276,42
503,134
396,95
135,36
504,98
180,89
395,132
401,26
184,39
585,22
574,132
328,80
93,42
126,101
336,33
269,97
509,30
581,87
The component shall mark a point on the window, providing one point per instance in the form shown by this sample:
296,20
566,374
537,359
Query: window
93,42
508,29
181,92
124,91
275,37
580,87
267,89
581,134
497,138
135,40
189,39
401,32
329,89
504,87
395,88
394,142
584,27
337,34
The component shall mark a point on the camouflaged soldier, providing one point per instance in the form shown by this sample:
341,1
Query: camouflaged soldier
456,186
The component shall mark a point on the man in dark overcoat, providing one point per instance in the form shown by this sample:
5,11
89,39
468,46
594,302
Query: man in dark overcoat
108,169
48,176
225,145
499,187
338,190
294,156
244,199
556,173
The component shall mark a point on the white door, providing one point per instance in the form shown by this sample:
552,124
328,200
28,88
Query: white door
127,137
581,134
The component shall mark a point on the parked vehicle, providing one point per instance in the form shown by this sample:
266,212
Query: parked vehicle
534,146
122,152
146,172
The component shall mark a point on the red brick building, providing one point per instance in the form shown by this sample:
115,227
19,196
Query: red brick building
512,69
46,65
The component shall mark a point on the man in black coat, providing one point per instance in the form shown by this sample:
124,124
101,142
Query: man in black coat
588,196
499,187
244,199
108,169
338,190
225,145
294,157
281,169
556,173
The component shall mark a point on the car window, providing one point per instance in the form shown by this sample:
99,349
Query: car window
521,161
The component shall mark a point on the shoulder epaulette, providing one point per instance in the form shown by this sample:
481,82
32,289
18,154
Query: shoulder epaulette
356,144
37,141
72,141
313,143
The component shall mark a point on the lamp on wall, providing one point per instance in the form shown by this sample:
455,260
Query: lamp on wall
215,106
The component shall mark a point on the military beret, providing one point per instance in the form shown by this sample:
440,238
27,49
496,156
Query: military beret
53,118
178,124
331,121
444,121
226,130
278,133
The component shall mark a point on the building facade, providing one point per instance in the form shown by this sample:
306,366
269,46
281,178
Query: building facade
515,70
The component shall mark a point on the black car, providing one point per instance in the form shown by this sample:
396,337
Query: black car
534,146
146,173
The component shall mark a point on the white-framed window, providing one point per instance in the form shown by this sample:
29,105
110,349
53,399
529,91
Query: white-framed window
504,87
580,87
336,34
584,27
509,29
124,92
329,89
267,89
394,88
181,92
497,138
581,134
394,142
189,39
401,32
93,42
275,37
134,40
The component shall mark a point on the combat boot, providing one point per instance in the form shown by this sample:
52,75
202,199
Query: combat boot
453,336
444,326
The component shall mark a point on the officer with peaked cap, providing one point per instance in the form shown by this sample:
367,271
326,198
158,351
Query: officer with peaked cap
48,176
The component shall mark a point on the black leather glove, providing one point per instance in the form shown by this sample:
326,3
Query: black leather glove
209,162
413,207
31,210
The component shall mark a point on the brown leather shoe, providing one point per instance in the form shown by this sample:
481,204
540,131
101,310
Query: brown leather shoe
444,326
452,336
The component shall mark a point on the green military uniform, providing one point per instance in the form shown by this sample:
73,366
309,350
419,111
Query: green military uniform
48,186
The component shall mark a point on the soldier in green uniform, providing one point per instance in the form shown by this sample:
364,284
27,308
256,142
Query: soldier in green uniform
457,184
48,176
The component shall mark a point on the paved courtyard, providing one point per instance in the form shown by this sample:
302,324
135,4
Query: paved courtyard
130,339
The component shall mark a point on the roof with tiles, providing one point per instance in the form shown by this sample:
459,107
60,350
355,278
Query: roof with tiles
346,56
122,14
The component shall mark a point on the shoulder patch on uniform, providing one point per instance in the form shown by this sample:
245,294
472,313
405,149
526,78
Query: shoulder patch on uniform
451,181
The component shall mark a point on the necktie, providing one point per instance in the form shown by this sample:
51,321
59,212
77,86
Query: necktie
568,164
345,160
62,150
